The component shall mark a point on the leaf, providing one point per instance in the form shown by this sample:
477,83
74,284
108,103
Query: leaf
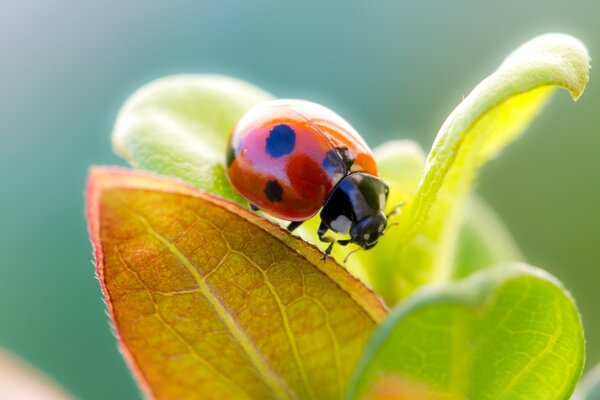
589,389
178,126
19,381
484,240
511,332
211,301
492,115
400,164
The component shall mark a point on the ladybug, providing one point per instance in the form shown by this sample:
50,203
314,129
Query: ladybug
292,158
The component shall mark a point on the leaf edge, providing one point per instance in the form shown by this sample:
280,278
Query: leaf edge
472,294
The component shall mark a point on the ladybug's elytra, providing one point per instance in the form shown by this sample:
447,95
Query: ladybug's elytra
290,158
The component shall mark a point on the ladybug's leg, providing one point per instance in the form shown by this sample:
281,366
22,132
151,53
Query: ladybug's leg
322,231
327,239
293,225
330,247
327,252
254,207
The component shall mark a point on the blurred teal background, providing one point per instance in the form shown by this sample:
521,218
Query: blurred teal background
393,69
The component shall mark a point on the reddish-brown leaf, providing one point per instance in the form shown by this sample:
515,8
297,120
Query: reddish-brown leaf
211,301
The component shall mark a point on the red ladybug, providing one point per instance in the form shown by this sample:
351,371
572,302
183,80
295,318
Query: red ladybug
290,158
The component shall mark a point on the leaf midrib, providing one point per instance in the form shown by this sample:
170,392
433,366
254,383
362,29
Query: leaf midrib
266,370
280,306
192,349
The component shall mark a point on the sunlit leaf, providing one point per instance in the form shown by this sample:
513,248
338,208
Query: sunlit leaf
484,240
211,301
401,164
178,126
492,115
511,332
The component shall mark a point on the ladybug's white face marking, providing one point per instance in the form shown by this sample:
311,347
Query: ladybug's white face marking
367,236
380,228
341,224
382,199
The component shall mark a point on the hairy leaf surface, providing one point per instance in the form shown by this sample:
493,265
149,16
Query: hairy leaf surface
211,301
178,126
495,113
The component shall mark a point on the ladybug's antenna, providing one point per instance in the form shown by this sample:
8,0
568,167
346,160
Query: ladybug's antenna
387,228
350,253
395,211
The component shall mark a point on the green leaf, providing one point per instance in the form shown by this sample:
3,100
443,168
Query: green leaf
484,240
178,126
492,115
401,165
589,389
511,332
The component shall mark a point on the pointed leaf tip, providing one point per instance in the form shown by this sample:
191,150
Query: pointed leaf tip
565,55
207,297
495,113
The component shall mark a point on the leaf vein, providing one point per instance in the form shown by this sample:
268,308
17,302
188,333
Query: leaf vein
275,382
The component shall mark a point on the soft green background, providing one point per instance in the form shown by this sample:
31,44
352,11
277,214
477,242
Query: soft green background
393,69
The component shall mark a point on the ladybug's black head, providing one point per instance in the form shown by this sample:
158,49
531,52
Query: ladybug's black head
366,232
356,206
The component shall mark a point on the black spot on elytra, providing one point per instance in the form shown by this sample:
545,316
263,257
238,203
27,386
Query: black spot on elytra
273,191
281,141
230,155
347,155
338,160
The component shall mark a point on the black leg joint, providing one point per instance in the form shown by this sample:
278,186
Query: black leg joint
293,225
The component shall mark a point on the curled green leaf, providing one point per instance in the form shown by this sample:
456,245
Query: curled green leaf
506,333
484,240
492,115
